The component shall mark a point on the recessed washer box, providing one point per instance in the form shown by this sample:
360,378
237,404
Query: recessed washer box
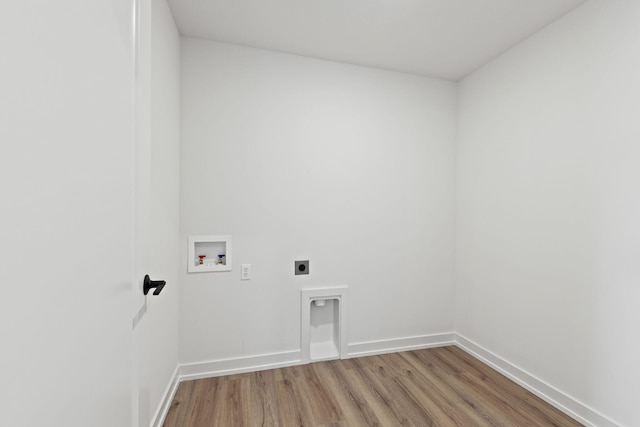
209,253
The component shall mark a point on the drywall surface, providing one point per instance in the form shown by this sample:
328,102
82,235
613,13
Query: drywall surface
165,200
547,271
297,158
66,179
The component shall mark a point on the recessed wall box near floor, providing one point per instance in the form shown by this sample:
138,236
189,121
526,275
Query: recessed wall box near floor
323,327
209,253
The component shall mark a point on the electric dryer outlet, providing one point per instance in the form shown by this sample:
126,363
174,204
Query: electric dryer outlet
301,267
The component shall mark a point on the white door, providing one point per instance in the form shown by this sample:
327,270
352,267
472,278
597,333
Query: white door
66,232
141,328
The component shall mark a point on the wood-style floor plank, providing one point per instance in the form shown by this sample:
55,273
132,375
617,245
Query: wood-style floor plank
179,405
354,399
434,387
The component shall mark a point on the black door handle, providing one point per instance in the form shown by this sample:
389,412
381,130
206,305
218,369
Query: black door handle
149,284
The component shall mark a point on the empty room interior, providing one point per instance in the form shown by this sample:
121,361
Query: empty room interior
317,181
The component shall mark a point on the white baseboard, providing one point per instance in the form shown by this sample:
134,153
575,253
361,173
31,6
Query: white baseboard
167,398
565,403
371,348
238,365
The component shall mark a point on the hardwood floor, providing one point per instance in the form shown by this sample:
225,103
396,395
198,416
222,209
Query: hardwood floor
434,387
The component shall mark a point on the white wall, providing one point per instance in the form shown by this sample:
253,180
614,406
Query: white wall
547,196
299,158
165,201
66,179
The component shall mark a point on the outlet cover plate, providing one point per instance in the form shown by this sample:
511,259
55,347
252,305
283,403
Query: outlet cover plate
245,272
301,267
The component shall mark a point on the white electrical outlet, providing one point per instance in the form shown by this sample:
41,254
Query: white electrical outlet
245,272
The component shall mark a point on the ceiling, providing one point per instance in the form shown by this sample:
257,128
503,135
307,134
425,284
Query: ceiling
438,38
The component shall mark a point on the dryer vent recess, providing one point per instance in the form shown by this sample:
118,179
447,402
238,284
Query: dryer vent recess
301,267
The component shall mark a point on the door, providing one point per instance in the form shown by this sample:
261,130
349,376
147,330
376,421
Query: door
142,107
66,172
